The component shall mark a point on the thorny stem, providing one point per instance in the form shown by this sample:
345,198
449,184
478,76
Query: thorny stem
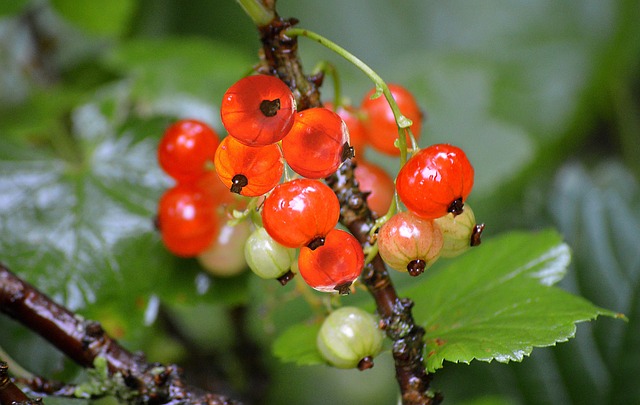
84,340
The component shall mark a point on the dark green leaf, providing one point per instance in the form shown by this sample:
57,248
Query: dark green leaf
298,344
110,18
170,69
498,302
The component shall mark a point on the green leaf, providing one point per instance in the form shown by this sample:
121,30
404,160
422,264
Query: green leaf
173,67
11,7
298,344
109,18
80,225
498,301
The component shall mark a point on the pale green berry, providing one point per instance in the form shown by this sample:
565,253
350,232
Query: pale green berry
266,257
224,257
350,337
459,232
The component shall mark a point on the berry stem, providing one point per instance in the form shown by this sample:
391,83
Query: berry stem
260,13
381,87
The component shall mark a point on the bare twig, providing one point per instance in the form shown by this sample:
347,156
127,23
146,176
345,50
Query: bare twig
85,340
10,394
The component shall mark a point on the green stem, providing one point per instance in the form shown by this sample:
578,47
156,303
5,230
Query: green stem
259,13
381,86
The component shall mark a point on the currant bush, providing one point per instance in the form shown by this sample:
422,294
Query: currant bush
258,110
409,243
350,337
246,170
435,181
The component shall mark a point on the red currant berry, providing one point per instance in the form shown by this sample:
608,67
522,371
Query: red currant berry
299,211
317,143
377,182
187,220
185,149
331,264
409,243
435,181
380,124
350,337
352,118
246,170
258,110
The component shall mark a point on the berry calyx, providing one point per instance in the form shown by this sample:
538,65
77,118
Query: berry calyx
380,124
298,211
258,110
375,181
187,219
185,149
435,181
349,337
317,143
267,258
409,243
333,265
246,170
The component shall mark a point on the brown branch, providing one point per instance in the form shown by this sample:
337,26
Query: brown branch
85,340
280,58
395,312
10,394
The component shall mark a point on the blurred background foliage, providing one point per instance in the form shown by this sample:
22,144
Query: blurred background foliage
544,96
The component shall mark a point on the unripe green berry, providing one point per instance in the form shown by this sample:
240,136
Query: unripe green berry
459,232
266,257
224,257
350,337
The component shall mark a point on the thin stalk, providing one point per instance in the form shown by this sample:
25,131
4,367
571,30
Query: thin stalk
259,13
381,87
329,69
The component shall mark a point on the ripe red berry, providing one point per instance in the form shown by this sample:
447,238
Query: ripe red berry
246,170
380,124
334,265
187,219
258,110
185,149
299,211
435,181
377,182
317,143
409,243
357,133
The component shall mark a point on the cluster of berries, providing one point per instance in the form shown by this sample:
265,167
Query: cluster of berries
296,228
